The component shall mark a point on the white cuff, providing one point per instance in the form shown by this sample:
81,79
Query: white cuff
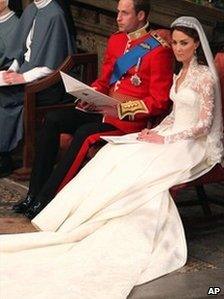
14,66
36,73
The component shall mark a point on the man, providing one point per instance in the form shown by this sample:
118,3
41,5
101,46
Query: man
8,24
40,44
146,76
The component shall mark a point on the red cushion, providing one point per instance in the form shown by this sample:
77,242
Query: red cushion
65,141
219,61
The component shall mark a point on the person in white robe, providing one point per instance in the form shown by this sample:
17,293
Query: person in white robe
115,225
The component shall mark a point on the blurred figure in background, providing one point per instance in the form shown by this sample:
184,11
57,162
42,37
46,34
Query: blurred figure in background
40,44
8,23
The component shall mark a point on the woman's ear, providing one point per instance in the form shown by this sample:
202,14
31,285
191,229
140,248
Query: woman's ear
197,44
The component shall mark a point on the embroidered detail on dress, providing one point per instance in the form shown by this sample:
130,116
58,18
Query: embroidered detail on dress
200,80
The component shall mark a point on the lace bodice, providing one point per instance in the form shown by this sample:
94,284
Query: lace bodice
193,105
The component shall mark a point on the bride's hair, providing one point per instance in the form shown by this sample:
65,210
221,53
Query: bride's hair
199,52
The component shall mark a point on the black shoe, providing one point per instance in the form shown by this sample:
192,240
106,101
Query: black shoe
34,209
6,165
22,206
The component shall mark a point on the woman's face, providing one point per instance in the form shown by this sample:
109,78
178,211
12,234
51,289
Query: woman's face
183,46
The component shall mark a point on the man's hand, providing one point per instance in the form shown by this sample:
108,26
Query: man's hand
82,105
91,107
13,77
108,110
150,136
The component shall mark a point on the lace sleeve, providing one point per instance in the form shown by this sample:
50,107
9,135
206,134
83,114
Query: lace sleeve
205,89
166,122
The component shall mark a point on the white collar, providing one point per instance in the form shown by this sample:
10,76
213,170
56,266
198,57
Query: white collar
41,3
7,16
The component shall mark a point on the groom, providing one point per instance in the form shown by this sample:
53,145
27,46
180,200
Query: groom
137,69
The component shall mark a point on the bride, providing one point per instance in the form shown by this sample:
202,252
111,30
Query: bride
115,224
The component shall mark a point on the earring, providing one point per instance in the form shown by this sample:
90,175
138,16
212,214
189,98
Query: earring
195,52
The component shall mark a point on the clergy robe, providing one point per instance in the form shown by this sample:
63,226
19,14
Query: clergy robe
51,44
7,29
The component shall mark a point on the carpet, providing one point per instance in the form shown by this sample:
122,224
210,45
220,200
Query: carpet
10,222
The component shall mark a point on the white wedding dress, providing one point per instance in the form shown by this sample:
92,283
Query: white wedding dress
115,224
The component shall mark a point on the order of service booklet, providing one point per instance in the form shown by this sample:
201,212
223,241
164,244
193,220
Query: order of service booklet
124,139
88,94
102,102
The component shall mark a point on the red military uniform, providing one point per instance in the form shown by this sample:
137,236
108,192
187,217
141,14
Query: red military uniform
154,71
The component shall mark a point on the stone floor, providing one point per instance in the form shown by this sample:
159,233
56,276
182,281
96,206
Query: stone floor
205,238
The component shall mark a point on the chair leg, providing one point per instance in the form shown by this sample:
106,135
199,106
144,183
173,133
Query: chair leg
203,200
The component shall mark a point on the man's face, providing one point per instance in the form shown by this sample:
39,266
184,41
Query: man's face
127,19
2,5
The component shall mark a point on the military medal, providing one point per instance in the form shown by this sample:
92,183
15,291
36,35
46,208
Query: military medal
135,79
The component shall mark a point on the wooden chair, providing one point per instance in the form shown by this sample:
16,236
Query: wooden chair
216,174
87,65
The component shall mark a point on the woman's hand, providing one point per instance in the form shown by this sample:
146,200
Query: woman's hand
150,136
13,77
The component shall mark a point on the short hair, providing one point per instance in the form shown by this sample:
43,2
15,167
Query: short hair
142,5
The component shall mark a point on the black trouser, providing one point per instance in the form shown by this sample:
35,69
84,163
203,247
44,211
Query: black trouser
45,179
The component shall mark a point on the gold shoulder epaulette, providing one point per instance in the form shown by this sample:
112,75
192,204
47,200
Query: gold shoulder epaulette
160,39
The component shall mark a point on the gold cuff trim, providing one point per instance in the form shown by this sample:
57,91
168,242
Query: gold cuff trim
131,108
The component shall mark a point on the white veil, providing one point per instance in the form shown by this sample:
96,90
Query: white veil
215,137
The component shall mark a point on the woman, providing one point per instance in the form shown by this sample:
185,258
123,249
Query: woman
118,207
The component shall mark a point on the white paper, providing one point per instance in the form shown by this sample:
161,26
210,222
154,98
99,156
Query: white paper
86,93
124,139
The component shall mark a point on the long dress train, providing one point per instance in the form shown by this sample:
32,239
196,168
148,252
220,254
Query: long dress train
115,224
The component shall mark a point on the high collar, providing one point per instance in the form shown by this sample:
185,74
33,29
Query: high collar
193,62
7,16
42,3
192,65
139,32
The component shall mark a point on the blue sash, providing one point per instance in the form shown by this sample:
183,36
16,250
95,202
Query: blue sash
129,59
